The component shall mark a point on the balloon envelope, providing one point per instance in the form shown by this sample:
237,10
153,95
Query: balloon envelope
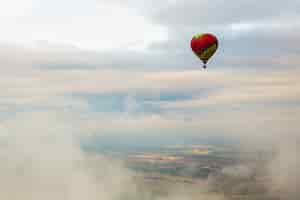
204,45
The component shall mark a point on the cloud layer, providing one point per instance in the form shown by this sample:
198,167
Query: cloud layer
141,80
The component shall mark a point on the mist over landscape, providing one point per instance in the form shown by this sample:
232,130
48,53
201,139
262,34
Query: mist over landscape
105,100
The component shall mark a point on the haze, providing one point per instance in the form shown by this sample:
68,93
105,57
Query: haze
78,75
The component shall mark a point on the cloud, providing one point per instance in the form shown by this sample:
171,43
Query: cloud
250,35
89,25
115,99
53,93
9,9
284,169
157,35
42,159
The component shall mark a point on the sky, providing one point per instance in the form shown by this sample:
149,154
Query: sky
124,69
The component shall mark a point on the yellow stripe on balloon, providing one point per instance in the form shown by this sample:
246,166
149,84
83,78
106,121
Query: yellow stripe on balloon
207,53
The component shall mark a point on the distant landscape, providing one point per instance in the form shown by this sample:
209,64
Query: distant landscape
199,169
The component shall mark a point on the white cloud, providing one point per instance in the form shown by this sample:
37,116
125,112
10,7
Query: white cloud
90,25
15,8
275,24
41,118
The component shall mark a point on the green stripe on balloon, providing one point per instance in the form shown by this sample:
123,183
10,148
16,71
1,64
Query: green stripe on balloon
198,35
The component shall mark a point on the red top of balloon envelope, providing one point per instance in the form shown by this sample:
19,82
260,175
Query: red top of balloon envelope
201,42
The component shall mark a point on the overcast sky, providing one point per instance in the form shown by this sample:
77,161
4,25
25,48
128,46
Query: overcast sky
124,67
74,71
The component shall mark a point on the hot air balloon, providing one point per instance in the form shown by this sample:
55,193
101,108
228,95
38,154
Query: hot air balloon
204,45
